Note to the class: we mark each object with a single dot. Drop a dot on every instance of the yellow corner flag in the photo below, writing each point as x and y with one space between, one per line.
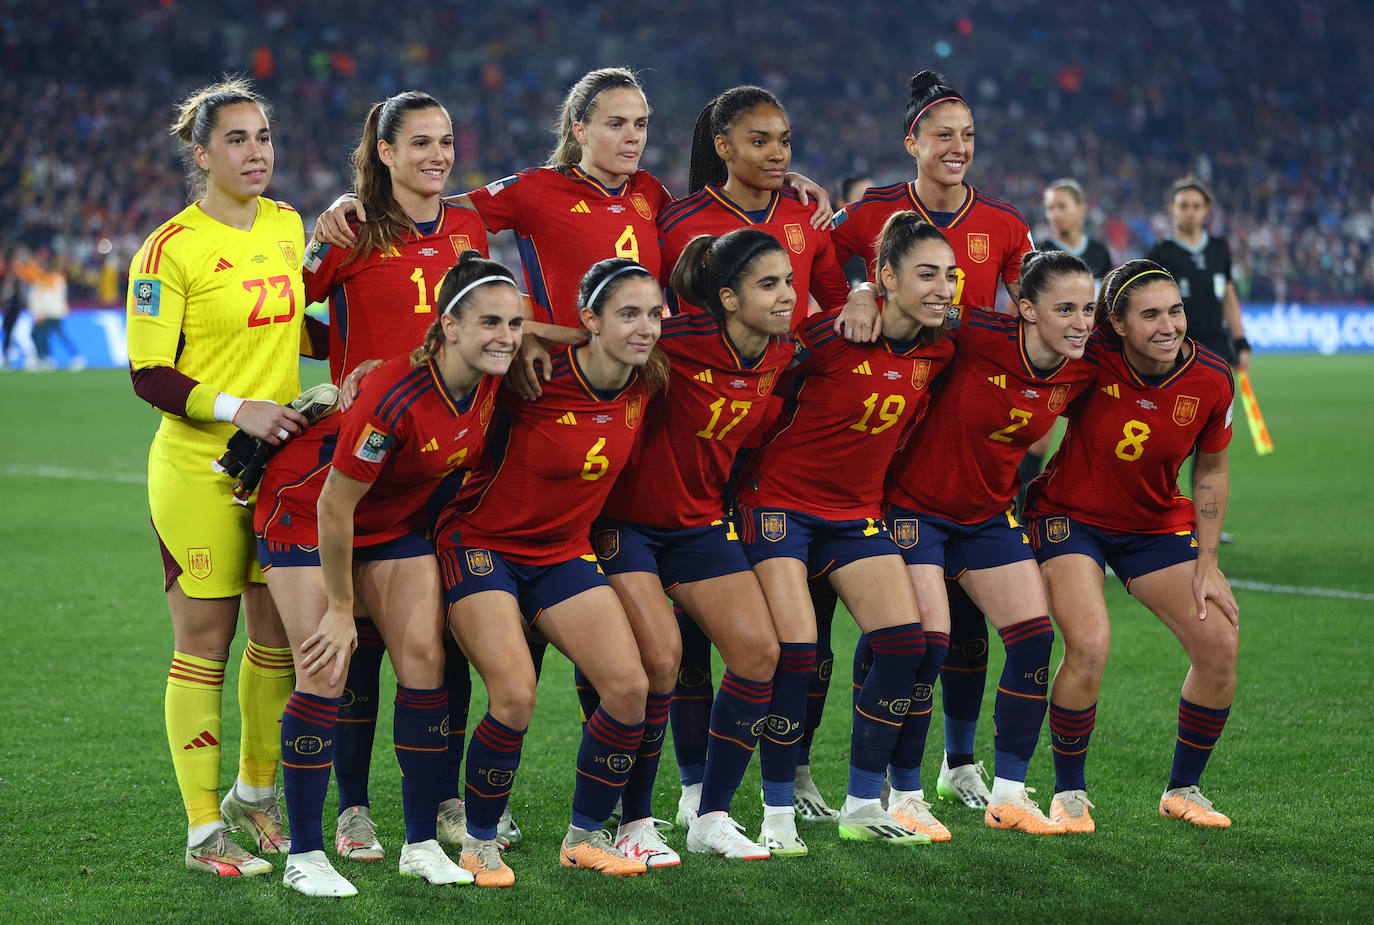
1258 432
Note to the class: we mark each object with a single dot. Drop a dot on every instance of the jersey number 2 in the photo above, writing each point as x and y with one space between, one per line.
1019 419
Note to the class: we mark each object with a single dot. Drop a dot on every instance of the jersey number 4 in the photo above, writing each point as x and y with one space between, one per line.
258 317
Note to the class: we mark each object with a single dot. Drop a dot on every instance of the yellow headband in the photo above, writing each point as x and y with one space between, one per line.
1133 279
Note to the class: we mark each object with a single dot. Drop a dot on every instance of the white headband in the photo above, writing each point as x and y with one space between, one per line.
591 301
473 285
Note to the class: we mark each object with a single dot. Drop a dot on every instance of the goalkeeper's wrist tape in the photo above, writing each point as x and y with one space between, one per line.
226 406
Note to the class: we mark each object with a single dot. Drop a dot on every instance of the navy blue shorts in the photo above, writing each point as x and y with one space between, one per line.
287 555
824 545
925 539
1129 554
676 556
535 588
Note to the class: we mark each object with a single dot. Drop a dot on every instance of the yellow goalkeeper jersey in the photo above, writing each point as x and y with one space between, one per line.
222 306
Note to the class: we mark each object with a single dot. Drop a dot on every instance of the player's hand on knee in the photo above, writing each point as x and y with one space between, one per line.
1210 584
270 422
331 644
332 225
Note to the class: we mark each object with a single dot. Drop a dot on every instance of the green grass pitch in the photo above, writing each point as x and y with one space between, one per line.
91 828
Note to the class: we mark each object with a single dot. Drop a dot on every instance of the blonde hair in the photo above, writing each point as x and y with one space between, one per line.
198 115
578 104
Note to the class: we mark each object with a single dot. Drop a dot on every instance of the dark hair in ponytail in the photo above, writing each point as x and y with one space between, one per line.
902 233
926 88
1120 283
599 285
387 223
709 264
471 266
716 118
1039 268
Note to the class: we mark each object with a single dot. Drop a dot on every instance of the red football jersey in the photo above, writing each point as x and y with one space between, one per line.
381 304
988 236
565 221
404 434
847 407
960 463
548 467
814 268
1117 467
714 401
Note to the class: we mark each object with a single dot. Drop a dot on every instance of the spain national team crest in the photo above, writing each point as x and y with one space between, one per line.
606 543
484 413
641 205
920 374
796 238
766 382
773 526
1058 397
460 242
1057 529
905 532
288 250
479 562
1185 409
198 562
633 410
979 247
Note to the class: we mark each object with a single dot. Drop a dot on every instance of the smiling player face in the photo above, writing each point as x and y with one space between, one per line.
920 287
762 306
757 149
630 321
943 145
422 156
613 135
1060 320
487 332
1152 326
238 161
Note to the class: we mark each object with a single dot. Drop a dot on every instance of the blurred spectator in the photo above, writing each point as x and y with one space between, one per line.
49 307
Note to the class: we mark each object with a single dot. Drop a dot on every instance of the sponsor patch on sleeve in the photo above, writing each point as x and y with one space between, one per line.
496 186
314 255
1230 413
147 296
373 445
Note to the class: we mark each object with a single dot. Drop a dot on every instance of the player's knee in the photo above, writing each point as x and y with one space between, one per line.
1217 662
625 695
661 665
1086 653
512 701
755 657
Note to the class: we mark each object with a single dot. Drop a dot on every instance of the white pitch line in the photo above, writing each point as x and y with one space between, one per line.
82 475
1299 589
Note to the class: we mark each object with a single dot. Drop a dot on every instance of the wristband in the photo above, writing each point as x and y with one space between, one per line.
226 406
865 286
1242 344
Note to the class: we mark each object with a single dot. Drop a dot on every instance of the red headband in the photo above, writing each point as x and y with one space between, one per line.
943 99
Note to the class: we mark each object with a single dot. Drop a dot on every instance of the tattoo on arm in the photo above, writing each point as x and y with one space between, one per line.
1210 510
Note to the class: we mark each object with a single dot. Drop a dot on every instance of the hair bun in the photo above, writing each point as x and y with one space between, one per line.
925 80
469 255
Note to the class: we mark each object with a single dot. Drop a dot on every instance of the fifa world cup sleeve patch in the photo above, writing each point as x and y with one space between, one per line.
147 296
373 445
314 256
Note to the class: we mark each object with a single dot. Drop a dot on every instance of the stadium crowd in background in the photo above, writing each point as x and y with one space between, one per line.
1278 137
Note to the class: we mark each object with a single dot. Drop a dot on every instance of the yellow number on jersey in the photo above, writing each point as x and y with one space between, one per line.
596 465
424 306
1132 445
959 289
872 528
739 408
456 460
1019 420
627 245
890 413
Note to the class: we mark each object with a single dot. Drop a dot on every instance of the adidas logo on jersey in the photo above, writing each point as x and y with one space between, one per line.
223 265
1113 390
568 418
1000 380
863 369
431 446
204 740
703 376
581 207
